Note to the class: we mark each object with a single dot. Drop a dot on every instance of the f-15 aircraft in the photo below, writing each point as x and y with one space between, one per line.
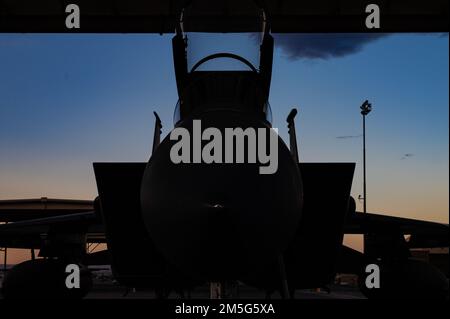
191 223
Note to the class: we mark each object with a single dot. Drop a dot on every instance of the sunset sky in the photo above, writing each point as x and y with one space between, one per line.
69 100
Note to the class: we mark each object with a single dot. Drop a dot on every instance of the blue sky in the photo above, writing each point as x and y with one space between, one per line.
69 100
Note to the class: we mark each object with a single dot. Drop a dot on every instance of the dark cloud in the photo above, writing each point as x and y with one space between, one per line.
324 46
343 137
407 155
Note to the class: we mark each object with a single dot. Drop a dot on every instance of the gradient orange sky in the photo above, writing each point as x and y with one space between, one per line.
68 101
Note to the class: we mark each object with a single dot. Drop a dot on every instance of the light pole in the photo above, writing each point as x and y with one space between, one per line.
366 107
5 256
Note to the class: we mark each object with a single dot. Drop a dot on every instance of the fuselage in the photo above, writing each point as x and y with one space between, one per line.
222 220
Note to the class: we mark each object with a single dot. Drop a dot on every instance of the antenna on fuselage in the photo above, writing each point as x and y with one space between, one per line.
157 132
292 135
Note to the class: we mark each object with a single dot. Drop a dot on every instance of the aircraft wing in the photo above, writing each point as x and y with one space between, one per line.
31 233
422 233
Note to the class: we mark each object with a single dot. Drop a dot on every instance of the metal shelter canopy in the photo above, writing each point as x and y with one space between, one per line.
161 16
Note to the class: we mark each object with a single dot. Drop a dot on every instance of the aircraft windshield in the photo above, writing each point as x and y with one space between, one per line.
201 45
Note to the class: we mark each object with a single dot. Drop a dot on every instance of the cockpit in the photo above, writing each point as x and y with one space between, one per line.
216 71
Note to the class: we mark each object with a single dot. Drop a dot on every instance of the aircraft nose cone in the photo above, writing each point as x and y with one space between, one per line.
220 221
217 207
